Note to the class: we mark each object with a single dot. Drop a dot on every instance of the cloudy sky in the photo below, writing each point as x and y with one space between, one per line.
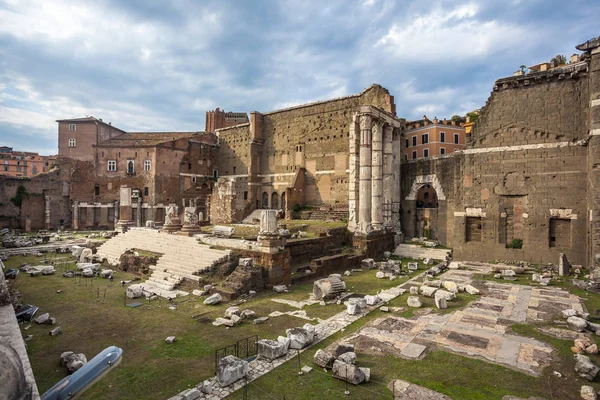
146 65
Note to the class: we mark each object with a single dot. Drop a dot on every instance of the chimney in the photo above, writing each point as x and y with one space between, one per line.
445 122
424 120
574 58
435 120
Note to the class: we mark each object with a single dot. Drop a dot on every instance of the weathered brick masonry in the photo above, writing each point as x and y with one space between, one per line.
528 172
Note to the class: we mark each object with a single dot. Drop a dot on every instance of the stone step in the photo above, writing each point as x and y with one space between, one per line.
419 252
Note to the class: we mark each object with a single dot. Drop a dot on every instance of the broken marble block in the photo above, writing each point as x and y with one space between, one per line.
232 311
348 358
585 368
367 263
328 287
280 288
348 372
135 291
413 266
213 300
472 289
170 340
450 286
323 359
414 301
372 300
299 337
428 291
342 348
577 324
42 319
72 361
440 300
414 290
508 272
272 349
449 296
231 369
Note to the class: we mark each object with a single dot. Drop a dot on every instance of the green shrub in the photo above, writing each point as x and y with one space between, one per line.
20 196
516 244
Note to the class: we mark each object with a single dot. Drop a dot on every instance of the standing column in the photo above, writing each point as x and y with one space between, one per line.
388 178
364 197
76 215
353 166
116 213
377 177
138 217
47 213
396 196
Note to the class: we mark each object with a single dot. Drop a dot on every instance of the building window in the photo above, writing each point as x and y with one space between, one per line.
112 165
147 165
443 137
560 232
145 190
414 140
425 152
414 155
130 167
406 143
245 195
72 127
72 142
456 138
406 157
194 179
425 138
189 166
97 190
215 173
234 168
442 151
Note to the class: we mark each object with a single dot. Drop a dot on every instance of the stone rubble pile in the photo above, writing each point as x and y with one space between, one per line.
328 288
342 361
234 316
72 361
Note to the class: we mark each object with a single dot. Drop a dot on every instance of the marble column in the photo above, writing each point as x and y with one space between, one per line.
116 213
47 212
364 197
377 176
396 196
76 215
388 178
353 166
138 219
125 209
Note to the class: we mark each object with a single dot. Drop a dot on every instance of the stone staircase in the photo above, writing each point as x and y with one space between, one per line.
419 252
181 258
324 215
253 218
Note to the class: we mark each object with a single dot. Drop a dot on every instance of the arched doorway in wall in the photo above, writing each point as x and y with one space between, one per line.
283 201
427 211
275 201
265 200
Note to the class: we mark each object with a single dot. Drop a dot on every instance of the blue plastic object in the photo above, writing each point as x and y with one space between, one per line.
77 383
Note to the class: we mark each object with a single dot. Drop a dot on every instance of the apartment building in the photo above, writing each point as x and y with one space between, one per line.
21 163
426 138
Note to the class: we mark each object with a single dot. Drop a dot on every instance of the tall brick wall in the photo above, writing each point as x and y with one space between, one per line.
523 175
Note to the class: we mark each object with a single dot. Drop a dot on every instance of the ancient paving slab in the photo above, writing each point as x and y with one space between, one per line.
296 304
323 330
403 390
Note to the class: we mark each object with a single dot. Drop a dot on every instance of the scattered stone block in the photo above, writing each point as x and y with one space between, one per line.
406 390
585 368
379 275
384 309
440 301
198 292
348 357
248 314
135 291
428 261
563 265
260 320
450 286
414 290
272 349
232 311
323 359
449 296
213 300
428 291
306 369
231 369
472 289
329 287
372 300
593 349
42 319
299 337
205 387
280 288
170 339
576 323
190 394
413 301
588 393
235 319
72 361
568 313
413 266
507 273
367 263
106 273
55 331
348 372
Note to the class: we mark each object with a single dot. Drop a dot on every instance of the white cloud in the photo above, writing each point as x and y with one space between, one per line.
449 36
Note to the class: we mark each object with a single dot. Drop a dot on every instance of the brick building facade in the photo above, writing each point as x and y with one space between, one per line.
22 163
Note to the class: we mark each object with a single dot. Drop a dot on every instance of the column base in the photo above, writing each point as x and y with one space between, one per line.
171 228
189 230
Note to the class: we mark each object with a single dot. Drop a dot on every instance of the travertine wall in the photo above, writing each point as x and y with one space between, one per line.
523 175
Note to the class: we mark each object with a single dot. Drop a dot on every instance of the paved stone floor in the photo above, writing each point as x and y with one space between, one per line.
480 330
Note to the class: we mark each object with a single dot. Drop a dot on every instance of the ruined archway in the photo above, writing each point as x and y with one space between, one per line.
426 215
421 208
274 201
265 200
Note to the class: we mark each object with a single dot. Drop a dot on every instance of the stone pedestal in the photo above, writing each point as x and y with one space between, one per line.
191 224
172 221
125 211
268 222
47 212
